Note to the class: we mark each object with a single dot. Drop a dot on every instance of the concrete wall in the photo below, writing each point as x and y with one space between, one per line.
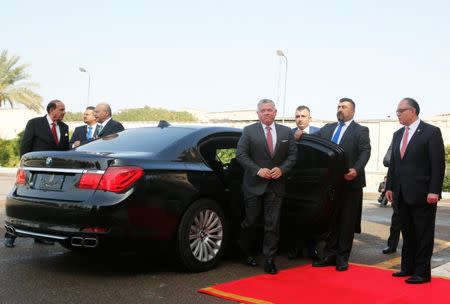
12 121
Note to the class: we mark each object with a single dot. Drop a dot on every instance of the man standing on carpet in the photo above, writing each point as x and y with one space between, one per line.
355 141
266 151
415 177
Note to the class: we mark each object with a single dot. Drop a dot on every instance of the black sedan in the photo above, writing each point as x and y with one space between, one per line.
175 184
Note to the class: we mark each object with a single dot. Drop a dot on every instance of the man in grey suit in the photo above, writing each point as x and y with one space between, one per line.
266 151
355 141
106 125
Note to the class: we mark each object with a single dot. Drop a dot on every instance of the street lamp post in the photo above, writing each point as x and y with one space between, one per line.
281 54
89 83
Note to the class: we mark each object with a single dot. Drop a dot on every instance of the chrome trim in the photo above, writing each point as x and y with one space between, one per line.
44 235
60 170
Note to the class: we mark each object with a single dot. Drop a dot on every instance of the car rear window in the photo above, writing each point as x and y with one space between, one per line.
139 139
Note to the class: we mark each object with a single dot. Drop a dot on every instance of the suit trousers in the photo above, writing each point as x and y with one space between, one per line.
394 233
340 241
417 225
270 204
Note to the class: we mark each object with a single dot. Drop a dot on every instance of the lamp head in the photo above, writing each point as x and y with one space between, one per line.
82 70
280 53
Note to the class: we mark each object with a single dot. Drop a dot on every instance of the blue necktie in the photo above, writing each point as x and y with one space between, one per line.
335 138
89 133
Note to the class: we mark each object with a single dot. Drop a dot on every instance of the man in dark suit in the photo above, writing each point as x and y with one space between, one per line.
355 141
106 125
415 176
302 120
267 152
394 231
83 134
45 133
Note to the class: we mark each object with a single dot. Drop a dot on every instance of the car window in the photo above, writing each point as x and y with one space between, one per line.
225 155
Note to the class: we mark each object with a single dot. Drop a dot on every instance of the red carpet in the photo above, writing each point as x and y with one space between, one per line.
360 284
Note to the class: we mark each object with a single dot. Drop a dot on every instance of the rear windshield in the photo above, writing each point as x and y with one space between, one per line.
139 139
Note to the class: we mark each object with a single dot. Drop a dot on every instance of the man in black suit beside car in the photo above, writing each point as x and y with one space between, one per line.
415 177
266 151
83 134
106 125
355 141
47 133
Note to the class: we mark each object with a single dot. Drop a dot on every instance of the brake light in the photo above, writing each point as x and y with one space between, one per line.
21 177
115 179
95 230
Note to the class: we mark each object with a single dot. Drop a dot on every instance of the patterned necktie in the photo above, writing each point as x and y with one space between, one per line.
269 140
89 133
335 138
55 135
404 142
99 129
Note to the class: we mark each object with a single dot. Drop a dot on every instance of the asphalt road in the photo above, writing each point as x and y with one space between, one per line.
35 273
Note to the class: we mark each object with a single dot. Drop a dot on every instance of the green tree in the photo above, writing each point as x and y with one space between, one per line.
12 88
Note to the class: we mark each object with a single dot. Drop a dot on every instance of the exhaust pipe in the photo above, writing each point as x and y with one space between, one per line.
77 241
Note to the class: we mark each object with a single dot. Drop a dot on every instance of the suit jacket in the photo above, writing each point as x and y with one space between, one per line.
356 145
253 154
312 129
38 136
421 171
111 127
80 134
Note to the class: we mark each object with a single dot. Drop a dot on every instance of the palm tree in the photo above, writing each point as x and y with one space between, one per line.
11 90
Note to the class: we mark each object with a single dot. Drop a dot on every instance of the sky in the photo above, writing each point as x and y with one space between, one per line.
221 55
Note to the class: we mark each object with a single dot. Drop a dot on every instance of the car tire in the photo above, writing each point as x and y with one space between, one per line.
201 236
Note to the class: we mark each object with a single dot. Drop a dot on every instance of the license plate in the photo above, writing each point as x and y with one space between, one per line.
50 181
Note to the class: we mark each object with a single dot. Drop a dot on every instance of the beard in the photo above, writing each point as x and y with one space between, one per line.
340 116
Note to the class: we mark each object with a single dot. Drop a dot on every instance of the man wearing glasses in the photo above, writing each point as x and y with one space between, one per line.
414 183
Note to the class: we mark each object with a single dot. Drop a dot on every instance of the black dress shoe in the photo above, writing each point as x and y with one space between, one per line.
269 267
342 266
324 262
250 261
388 250
44 242
8 242
418 280
400 274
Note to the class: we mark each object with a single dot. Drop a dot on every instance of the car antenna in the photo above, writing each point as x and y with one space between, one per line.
163 124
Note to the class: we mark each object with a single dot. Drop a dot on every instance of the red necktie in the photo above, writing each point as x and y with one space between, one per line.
55 135
404 142
269 140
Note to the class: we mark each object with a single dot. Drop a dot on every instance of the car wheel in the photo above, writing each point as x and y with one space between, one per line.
201 236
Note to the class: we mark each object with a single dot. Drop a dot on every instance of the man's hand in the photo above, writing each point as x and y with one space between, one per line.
264 173
351 175
432 198
276 173
76 144
390 196
298 134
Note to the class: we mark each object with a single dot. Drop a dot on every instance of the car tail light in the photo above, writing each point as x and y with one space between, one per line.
21 177
115 179
95 230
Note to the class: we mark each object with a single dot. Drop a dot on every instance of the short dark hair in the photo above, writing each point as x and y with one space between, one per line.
52 105
345 99
301 108
90 108
413 103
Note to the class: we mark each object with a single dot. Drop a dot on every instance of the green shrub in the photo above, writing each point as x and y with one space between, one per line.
446 185
9 154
